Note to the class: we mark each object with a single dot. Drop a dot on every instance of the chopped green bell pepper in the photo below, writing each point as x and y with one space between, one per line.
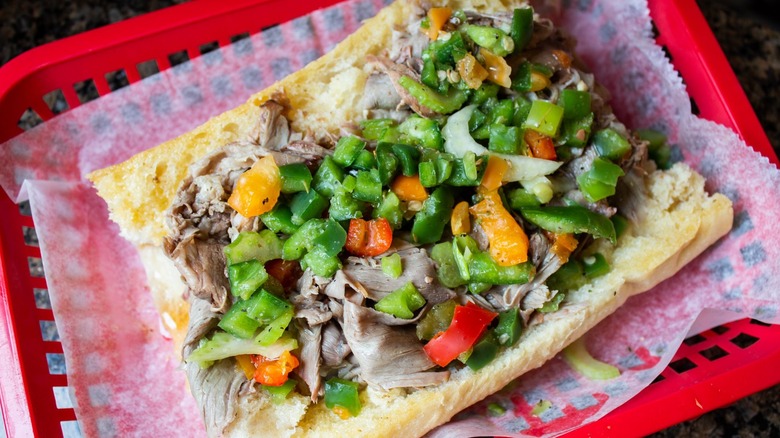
544 118
491 38
387 163
328 176
483 352
347 150
392 265
279 220
343 393
505 139
610 144
365 160
447 272
595 265
429 98
570 219
265 307
402 302
422 132
575 103
279 393
368 187
296 177
509 327
390 209
236 321
374 129
522 27
250 245
246 277
408 157
436 320
430 221
307 205
483 269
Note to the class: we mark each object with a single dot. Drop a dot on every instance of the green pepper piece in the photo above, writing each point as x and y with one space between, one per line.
299 242
321 263
392 265
296 177
570 219
250 245
387 163
390 209
483 93
575 104
246 277
422 132
279 220
483 269
544 118
445 53
576 132
520 198
428 75
279 393
443 169
491 38
505 139
463 248
522 107
402 302
599 182
365 160
427 172
610 144
328 176
554 303
595 265
447 272
307 205
478 288
368 187
462 174
570 276
509 327
483 352
332 239
374 129
275 329
238 323
430 221
343 206
522 27
347 150
265 307
408 157
436 320
343 393
427 97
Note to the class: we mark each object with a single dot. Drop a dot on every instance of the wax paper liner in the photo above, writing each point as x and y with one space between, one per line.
120 364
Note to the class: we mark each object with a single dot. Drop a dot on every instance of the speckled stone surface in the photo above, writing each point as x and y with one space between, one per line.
747 30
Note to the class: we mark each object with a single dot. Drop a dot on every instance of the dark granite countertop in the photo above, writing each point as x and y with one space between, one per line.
747 30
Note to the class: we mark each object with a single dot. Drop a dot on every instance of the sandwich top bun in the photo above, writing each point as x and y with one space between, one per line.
674 221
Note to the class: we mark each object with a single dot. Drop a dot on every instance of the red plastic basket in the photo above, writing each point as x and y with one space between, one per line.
709 371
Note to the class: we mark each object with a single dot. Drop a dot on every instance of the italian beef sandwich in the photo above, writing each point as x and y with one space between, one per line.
435 207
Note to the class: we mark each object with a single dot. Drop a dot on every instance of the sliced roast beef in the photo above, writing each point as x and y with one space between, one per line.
310 339
389 356
272 130
380 93
216 390
418 268
201 264
335 348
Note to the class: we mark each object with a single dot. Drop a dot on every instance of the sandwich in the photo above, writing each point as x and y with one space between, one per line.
437 206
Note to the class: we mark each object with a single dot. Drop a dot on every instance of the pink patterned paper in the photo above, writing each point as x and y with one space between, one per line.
120 365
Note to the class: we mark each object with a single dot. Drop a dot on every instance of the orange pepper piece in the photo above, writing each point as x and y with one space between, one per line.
498 70
245 363
438 18
494 173
257 189
507 239
409 188
471 71
460 221
563 245
541 145
273 372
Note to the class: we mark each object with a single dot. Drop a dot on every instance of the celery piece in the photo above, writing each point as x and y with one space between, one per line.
544 118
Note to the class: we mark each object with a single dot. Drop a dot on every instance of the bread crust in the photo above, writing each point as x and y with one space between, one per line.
678 220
